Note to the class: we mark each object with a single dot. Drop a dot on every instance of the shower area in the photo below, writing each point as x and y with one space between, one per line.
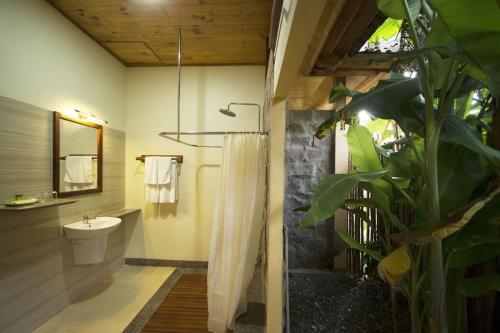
233 283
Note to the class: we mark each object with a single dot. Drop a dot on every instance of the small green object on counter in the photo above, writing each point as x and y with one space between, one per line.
21 202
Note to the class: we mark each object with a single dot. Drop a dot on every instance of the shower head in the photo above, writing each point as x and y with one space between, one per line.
228 113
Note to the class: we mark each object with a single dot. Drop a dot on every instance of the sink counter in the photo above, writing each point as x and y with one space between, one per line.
121 212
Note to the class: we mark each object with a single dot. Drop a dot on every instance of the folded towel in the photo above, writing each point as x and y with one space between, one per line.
164 169
151 170
151 193
78 170
168 192
160 176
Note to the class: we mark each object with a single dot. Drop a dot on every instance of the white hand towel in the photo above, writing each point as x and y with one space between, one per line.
79 170
151 170
168 192
151 193
164 169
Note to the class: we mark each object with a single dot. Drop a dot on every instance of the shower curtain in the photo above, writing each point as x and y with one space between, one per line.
237 225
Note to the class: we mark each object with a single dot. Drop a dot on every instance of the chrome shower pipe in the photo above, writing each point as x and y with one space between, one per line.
249 104
179 55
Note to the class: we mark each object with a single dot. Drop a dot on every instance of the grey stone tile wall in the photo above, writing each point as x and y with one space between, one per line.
307 161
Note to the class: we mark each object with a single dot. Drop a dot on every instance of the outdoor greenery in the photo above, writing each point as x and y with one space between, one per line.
386 37
444 167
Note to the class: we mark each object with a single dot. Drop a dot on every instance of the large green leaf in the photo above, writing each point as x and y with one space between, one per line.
443 71
459 172
359 213
384 203
474 287
455 223
439 35
399 163
365 157
356 245
474 255
456 130
328 124
340 91
387 30
331 193
483 228
380 126
360 202
404 163
362 149
396 10
475 27
386 98
384 101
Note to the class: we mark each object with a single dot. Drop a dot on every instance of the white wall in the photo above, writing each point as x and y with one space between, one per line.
47 61
182 231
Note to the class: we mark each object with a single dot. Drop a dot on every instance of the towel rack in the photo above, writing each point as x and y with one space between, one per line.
178 158
94 156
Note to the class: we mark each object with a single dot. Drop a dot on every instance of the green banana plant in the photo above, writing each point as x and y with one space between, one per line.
444 170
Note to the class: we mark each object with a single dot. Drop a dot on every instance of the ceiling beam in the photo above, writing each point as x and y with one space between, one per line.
346 72
297 26
328 18
362 64
311 93
341 26
369 82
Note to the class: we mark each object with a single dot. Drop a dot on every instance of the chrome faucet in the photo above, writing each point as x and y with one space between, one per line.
86 219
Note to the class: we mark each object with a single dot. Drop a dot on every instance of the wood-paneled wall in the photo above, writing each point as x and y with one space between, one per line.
37 274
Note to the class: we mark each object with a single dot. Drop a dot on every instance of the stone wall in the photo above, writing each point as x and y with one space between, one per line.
307 160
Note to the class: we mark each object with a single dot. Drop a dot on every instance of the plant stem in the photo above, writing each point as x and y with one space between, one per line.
394 303
414 314
438 308
433 129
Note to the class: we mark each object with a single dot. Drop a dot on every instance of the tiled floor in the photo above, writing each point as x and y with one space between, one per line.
111 305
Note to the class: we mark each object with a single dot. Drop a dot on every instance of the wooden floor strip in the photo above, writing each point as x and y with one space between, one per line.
184 309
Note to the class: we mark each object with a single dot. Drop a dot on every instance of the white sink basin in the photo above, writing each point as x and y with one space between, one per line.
90 239
96 228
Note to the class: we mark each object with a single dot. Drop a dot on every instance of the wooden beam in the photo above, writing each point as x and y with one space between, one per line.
364 64
275 22
296 30
357 28
341 26
369 82
311 93
345 73
326 22
366 61
355 20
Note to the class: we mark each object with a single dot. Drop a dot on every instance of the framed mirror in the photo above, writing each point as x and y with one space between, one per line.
77 165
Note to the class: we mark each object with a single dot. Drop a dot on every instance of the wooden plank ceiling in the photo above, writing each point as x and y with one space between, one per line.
144 32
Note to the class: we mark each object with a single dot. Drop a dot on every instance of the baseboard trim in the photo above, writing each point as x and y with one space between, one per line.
166 263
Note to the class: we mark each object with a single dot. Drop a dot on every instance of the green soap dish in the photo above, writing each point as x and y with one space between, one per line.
21 202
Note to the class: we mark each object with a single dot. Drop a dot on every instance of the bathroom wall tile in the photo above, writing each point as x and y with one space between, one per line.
37 274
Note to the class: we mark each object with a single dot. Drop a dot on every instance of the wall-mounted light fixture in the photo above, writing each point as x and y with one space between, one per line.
84 116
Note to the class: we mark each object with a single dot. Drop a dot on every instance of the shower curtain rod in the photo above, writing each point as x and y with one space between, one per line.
213 133
166 135
178 133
